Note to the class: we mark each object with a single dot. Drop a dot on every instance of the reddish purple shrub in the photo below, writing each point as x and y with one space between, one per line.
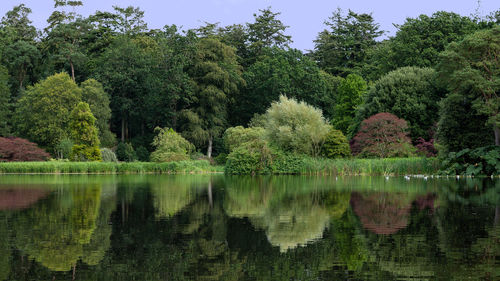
17 149
382 135
426 147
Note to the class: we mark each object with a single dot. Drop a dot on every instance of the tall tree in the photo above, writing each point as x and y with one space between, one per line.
84 134
418 42
5 110
350 95
19 52
129 20
125 69
218 78
42 113
267 31
18 21
471 68
341 49
93 93
65 33
283 72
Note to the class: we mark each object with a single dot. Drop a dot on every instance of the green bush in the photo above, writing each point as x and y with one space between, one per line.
252 157
170 146
472 162
125 152
81 152
142 154
236 136
108 155
64 148
335 145
220 159
296 126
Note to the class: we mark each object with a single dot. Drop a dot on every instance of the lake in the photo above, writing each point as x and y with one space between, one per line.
216 227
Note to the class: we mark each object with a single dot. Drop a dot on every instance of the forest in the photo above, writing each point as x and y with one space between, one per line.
107 88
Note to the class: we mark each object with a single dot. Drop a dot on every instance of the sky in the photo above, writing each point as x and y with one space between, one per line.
304 18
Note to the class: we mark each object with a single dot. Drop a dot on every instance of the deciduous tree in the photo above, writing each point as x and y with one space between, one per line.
382 135
218 77
42 113
471 69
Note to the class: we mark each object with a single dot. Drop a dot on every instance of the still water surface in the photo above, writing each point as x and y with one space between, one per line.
202 227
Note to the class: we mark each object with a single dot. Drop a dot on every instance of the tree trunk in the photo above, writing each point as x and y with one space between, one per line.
209 149
72 71
74 271
123 129
497 135
126 131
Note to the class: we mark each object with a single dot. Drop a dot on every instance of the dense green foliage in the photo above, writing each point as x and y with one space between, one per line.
125 152
418 42
342 49
93 93
459 127
218 78
335 145
170 146
64 148
284 72
350 95
295 126
473 162
42 113
471 69
4 103
409 93
439 69
83 133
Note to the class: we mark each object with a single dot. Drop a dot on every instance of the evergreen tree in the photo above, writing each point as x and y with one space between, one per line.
84 134
342 49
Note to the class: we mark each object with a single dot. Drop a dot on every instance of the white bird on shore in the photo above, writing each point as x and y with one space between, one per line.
458 177
386 178
425 178
407 178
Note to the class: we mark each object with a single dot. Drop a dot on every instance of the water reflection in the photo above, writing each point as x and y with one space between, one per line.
248 228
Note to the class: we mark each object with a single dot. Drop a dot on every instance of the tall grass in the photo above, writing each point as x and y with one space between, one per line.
195 166
388 166
299 165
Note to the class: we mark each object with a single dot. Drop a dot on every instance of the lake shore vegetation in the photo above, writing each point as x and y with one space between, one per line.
104 93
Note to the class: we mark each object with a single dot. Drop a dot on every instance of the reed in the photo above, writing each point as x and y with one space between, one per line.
59 167
387 166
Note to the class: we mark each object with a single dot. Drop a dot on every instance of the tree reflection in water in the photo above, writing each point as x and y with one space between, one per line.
255 228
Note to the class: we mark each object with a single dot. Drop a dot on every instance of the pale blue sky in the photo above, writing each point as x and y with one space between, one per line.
305 18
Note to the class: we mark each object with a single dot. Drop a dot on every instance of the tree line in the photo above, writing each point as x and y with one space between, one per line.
439 73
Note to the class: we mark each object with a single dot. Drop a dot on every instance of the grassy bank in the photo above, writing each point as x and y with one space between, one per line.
55 167
304 165
298 165
389 166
